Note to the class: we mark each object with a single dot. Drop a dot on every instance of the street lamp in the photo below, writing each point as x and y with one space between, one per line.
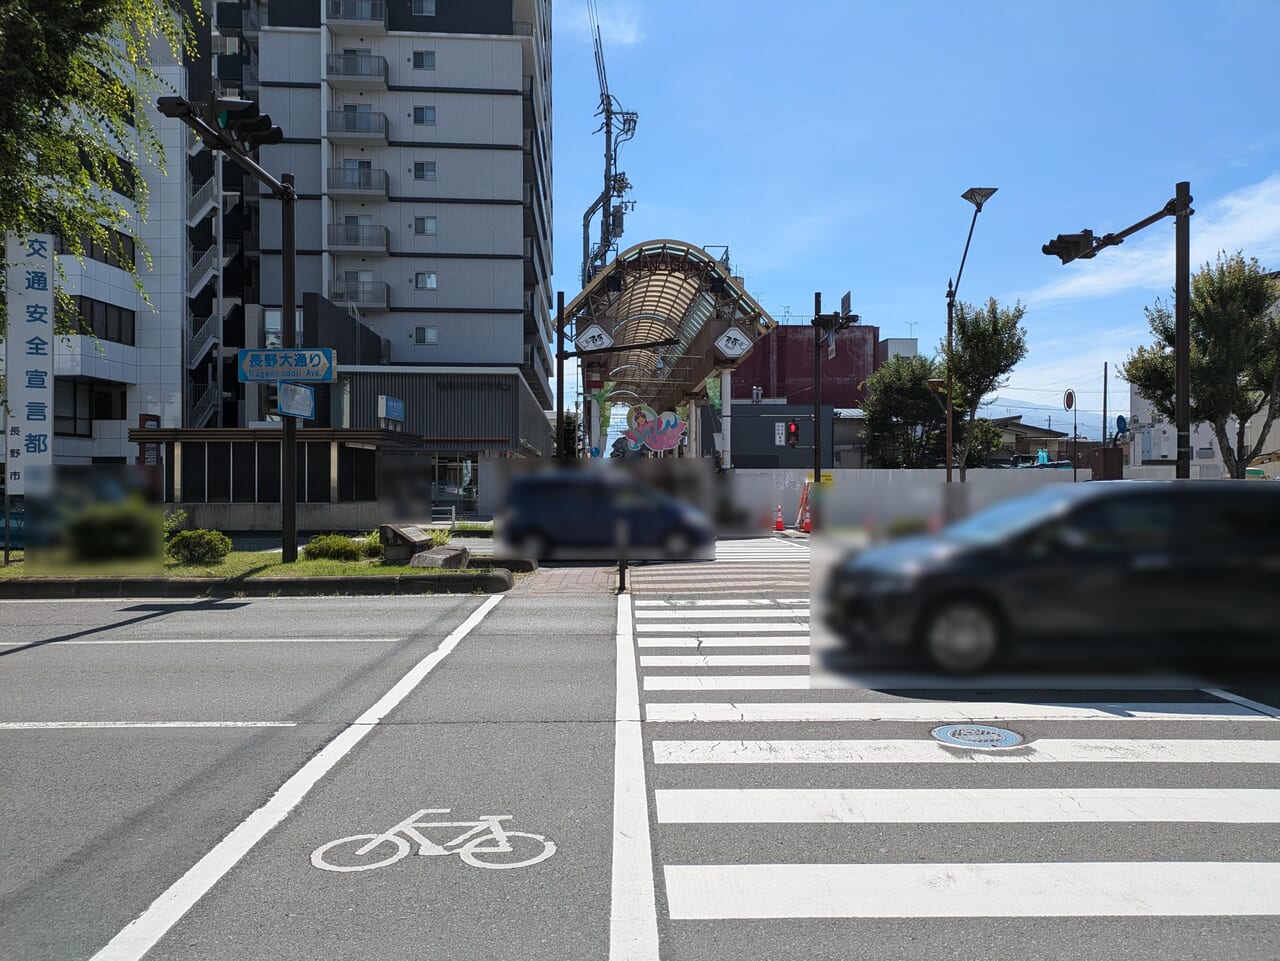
976 196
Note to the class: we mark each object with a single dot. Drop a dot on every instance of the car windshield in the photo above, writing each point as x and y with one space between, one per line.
1009 518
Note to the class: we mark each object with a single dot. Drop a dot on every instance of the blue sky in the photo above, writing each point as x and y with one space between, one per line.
827 144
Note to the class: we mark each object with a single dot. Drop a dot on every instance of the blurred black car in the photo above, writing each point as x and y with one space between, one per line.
580 515
1165 568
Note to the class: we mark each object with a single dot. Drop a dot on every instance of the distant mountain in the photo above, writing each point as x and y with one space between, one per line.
1038 414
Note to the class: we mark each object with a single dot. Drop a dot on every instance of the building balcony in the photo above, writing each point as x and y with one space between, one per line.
359 239
362 127
364 17
356 71
370 294
346 183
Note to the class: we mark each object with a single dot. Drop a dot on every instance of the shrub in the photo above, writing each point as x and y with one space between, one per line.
119 531
199 547
332 547
439 538
174 521
372 546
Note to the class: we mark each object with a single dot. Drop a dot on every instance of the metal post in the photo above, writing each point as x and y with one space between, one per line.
1075 435
559 444
726 419
951 306
817 387
288 327
1182 327
25 531
1104 404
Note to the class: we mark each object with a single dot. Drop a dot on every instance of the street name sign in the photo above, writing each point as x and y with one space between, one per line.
733 343
593 338
315 365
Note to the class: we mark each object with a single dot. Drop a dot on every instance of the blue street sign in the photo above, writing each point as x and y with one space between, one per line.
296 400
315 365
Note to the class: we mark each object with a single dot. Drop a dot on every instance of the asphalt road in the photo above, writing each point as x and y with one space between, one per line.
714 784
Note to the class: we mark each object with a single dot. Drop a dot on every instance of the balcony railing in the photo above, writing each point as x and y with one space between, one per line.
370 237
362 293
357 69
204 329
363 14
359 124
356 181
200 198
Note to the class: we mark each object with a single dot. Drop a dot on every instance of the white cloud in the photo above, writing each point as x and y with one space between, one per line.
1247 220
619 23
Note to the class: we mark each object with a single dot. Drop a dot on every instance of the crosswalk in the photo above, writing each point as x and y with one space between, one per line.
777 800
751 566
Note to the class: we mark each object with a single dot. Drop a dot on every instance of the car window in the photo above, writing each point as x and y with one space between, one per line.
1123 525
1231 517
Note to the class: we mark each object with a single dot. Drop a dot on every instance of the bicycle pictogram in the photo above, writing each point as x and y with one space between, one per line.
485 844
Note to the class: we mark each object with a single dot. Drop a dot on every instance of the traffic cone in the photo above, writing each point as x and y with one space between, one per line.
806 519
777 522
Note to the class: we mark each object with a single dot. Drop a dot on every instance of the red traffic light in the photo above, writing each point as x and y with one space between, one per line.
793 433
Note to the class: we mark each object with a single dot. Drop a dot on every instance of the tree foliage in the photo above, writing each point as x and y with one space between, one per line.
75 74
988 343
988 438
906 420
1234 355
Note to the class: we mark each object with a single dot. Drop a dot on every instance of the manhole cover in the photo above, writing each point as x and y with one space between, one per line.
976 735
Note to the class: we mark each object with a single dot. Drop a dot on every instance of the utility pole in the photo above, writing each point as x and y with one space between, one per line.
817 387
1104 405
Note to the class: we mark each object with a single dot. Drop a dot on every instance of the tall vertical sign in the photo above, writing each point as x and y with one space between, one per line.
29 365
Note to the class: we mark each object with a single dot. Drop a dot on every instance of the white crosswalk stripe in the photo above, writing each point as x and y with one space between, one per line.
794 761
746 568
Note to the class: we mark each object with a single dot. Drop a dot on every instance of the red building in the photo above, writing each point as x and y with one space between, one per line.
781 365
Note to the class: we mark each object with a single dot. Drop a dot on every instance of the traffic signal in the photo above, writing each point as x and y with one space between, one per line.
242 126
793 433
1069 247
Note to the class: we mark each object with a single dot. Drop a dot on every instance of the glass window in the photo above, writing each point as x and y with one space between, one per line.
425 115
424 60
425 226
425 280
426 336
424 170
424 8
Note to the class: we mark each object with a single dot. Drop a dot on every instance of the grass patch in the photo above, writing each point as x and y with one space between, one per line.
462 526
238 564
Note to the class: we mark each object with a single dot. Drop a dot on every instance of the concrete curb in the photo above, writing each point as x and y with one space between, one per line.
517 565
53 588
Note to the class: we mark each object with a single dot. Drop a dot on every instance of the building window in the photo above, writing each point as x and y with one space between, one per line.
424 60
424 8
105 321
424 226
118 252
77 404
426 336
425 280
424 170
425 115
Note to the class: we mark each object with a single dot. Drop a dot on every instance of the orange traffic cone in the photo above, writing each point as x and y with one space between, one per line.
806 519
777 521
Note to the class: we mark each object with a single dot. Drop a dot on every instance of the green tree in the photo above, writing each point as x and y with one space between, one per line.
1234 354
74 75
987 440
988 343
906 419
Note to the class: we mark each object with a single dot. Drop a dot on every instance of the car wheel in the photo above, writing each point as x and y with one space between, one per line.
676 544
961 636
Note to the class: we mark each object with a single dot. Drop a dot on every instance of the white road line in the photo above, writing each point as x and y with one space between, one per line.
969 806
711 602
758 612
1258 706
1021 682
946 711
215 640
633 911
141 935
74 725
793 640
1043 751
727 682
726 628
725 660
1009 890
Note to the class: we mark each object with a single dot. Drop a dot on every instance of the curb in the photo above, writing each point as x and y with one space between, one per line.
516 565
494 581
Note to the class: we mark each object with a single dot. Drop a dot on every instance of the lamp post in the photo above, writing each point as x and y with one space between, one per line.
976 196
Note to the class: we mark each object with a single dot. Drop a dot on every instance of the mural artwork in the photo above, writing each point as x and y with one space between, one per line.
657 432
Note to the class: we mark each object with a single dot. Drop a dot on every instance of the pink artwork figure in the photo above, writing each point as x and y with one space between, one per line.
658 432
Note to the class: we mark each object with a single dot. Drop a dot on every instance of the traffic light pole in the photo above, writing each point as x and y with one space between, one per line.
288 339
817 387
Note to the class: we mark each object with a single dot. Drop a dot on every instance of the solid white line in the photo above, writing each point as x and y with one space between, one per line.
945 711
75 725
1008 890
218 640
758 612
682 605
1023 682
726 628
633 911
725 660
1258 706
1044 751
968 806
140 935
794 640
727 682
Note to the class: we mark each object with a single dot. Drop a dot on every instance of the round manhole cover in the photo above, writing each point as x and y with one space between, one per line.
976 735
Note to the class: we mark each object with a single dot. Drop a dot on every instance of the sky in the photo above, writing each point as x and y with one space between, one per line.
827 143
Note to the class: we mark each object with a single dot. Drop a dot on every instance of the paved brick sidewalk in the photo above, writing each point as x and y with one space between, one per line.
557 579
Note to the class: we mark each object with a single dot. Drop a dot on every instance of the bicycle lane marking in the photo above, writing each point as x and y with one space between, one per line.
140 935
633 911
